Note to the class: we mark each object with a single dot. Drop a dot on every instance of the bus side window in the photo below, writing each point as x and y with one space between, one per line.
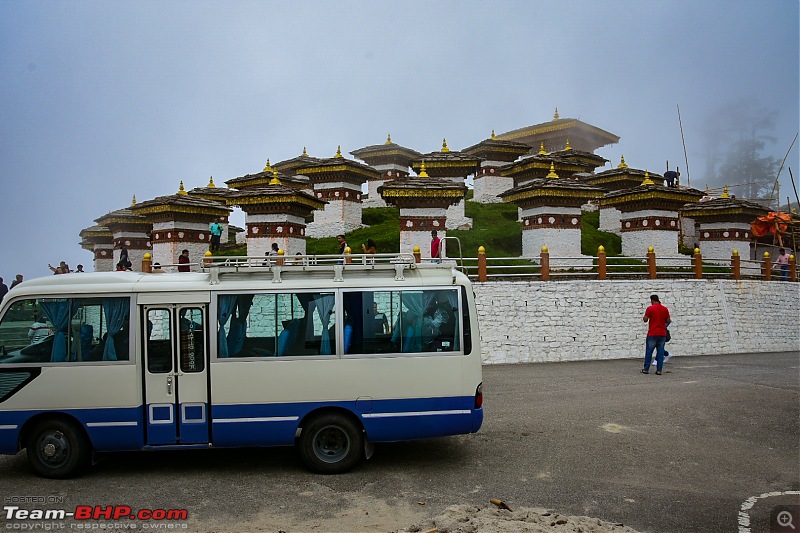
159 343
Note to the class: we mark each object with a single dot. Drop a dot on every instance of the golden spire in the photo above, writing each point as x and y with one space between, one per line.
422 173
444 146
555 117
568 146
622 163
494 138
133 202
304 152
708 191
725 193
542 151
388 139
267 167
647 180
338 152
211 183
181 190
552 173
274 180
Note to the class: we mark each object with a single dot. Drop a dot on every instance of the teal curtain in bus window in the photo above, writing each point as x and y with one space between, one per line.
117 311
225 306
452 299
324 306
57 311
238 330
412 322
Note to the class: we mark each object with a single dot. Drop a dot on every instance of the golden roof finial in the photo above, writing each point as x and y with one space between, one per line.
555 117
388 139
708 191
211 183
542 151
133 202
422 173
444 146
304 152
552 173
622 163
267 167
568 146
181 190
494 138
725 193
274 180
647 180
338 152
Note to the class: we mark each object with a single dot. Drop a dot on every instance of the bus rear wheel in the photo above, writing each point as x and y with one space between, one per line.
331 444
58 449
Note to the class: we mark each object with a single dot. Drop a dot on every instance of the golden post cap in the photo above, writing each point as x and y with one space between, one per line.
147 257
650 249
766 255
208 253
601 248
697 250
544 249
735 252
481 250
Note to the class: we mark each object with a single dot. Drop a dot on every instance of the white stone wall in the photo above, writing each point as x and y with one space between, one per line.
328 224
541 321
104 258
636 243
688 234
610 220
135 255
721 251
257 246
559 241
410 239
374 199
456 218
488 186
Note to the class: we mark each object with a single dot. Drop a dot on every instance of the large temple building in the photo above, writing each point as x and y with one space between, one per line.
549 170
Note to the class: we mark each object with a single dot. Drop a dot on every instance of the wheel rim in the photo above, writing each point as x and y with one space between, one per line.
53 448
331 444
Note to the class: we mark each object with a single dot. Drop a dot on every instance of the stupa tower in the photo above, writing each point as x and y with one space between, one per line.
494 154
275 213
100 241
338 182
393 162
130 231
180 222
555 134
423 201
455 166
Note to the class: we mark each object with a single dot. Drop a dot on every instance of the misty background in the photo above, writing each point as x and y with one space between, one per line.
100 101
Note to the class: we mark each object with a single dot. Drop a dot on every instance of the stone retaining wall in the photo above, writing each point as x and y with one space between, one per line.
544 321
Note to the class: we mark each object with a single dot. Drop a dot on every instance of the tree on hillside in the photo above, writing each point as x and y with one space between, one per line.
736 135
746 167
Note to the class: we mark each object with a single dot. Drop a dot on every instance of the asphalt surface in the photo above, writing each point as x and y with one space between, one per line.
673 453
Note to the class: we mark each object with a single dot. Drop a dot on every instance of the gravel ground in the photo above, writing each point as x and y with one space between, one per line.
491 519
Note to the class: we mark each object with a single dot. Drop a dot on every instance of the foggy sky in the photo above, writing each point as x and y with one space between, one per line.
103 100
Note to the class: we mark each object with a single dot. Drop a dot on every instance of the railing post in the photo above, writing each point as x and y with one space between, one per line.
601 262
766 268
736 265
481 263
651 263
545 262
207 258
147 263
792 268
698 264
417 255
280 259
347 258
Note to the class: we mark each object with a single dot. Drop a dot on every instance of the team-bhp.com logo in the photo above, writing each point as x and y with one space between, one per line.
94 512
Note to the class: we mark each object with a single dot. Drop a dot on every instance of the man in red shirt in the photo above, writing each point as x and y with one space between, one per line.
436 250
658 318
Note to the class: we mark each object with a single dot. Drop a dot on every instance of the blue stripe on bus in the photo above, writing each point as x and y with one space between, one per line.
109 429
388 420
119 429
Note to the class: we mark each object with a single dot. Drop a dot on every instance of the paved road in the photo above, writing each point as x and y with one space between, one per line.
673 453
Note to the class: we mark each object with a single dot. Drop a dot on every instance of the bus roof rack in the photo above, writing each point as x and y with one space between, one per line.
218 266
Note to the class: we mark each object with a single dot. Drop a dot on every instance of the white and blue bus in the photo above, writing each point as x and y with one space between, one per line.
330 355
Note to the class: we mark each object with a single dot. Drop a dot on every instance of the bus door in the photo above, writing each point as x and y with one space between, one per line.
176 373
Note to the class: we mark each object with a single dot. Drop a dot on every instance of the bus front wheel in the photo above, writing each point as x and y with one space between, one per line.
331 444
58 449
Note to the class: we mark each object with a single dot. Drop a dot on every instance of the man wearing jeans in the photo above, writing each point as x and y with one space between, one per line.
657 317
